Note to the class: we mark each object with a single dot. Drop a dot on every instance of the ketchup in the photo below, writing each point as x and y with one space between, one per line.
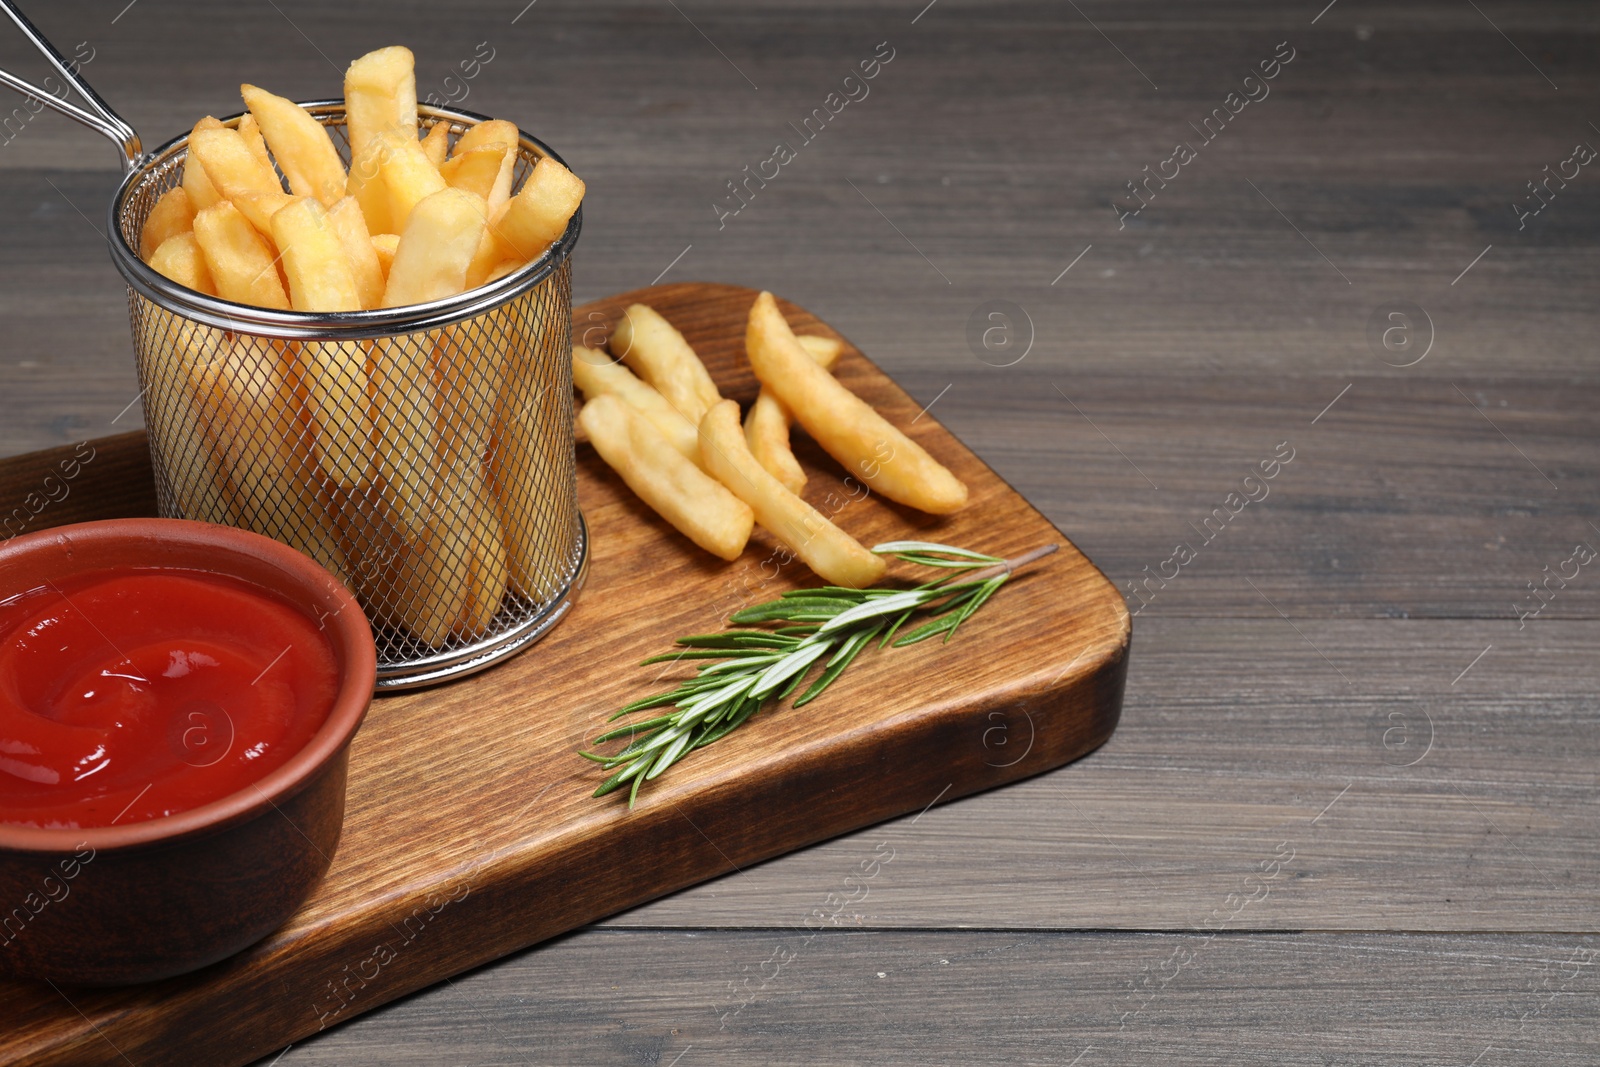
137 693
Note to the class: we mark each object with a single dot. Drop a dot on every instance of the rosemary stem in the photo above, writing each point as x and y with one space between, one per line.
1015 563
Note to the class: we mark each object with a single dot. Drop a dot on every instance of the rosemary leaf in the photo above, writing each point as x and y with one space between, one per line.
753 666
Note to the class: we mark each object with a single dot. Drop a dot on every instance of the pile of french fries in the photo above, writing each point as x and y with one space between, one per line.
657 419
402 470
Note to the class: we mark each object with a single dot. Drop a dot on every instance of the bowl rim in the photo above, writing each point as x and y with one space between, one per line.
350 702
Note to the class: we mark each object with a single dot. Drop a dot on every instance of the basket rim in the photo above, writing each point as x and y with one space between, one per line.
351 325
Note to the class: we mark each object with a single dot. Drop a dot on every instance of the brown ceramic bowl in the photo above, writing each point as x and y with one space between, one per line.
153 899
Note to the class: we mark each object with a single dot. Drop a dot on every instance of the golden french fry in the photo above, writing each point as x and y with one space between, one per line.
272 488
436 144
597 373
321 279
201 192
488 134
407 176
844 424
242 264
384 246
259 208
430 582
430 261
501 269
838 558
680 492
404 413
468 372
320 275
528 450
185 438
238 175
533 219
172 214
380 96
766 426
231 165
438 243
475 171
365 184
657 351
179 258
825 350
350 226
766 434
250 130
470 505
300 143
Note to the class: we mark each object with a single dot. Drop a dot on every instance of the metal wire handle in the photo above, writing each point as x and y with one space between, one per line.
102 118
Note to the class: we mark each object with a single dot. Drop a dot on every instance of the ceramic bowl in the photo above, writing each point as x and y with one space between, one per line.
149 900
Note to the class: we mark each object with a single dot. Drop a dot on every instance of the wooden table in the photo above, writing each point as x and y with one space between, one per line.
1349 815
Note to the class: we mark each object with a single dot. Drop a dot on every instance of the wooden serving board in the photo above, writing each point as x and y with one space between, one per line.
471 831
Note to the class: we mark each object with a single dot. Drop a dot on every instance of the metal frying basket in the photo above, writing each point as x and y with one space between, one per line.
423 454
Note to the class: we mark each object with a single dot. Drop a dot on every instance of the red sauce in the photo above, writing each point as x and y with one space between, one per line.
133 694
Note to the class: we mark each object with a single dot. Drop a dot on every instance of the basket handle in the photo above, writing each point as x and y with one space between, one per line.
99 117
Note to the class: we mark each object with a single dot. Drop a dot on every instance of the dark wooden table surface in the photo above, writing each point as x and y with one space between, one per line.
1349 816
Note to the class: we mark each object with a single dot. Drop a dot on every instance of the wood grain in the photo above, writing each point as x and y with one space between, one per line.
1323 1000
469 815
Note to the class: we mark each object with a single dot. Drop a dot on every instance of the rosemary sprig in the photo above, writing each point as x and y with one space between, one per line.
753 666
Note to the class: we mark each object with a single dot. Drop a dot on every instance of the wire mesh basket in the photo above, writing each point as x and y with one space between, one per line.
423 454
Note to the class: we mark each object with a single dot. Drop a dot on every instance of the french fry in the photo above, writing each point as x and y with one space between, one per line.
494 132
680 492
766 434
172 214
236 174
490 569
538 215
436 144
380 99
179 258
300 143
380 96
272 488
467 372
430 262
242 264
476 171
259 208
384 246
528 449
658 353
320 275
438 243
250 130
838 558
766 425
364 182
501 269
184 437
403 407
407 176
350 226
846 426
430 588
321 279
598 373
201 192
